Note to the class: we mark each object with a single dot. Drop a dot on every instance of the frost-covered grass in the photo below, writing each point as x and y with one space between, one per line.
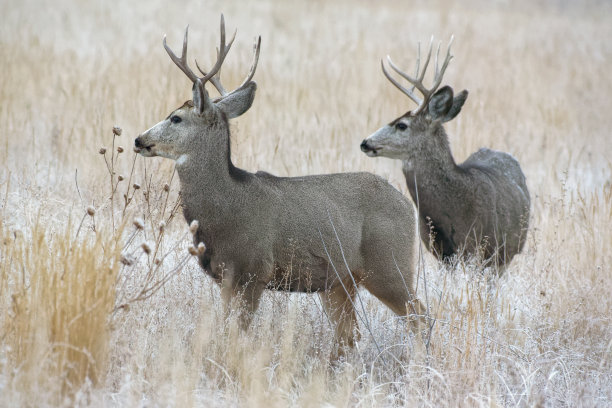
71 329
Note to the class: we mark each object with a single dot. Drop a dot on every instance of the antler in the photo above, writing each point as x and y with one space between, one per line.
417 81
214 74
216 79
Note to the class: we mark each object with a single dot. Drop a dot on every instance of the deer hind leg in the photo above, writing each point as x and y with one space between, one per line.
394 289
338 304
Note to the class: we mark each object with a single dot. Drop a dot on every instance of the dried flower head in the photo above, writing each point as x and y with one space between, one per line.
162 226
91 211
126 259
119 149
146 248
201 248
102 150
120 178
136 186
139 223
117 130
166 187
193 227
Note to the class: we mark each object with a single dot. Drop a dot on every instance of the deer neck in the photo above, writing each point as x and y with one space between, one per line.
211 186
432 174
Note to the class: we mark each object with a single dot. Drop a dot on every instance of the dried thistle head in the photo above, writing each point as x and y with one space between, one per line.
139 223
166 187
193 227
117 130
91 211
120 178
119 149
201 248
136 186
126 259
102 150
146 248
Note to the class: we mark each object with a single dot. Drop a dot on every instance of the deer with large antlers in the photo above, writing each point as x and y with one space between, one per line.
324 233
480 206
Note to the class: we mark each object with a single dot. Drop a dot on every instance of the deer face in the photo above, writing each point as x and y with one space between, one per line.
190 124
413 134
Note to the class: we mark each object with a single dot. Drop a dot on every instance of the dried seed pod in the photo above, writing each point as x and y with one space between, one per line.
119 149
120 178
126 259
166 187
146 248
117 130
102 150
162 226
193 227
136 186
139 223
91 211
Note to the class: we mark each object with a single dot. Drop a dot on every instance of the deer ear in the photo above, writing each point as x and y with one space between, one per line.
239 101
458 102
441 102
201 101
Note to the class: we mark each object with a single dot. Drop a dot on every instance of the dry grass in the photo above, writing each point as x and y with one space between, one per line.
538 76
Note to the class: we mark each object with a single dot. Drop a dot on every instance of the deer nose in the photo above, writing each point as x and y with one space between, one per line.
364 146
138 142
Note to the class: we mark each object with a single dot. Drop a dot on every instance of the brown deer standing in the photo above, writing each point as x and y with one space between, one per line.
480 206
324 233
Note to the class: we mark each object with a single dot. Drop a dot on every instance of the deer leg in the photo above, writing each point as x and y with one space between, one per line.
338 304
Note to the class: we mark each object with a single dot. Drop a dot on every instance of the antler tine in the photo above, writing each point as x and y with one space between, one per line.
223 51
414 81
182 61
408 92
256 49
420 79
447 59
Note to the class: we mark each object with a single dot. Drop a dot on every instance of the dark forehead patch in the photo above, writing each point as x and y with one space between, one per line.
188 104
405 115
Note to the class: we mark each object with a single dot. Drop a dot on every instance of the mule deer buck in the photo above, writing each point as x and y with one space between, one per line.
322 233
480 206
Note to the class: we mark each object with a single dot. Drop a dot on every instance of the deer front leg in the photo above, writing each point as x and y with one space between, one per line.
243 290
338 304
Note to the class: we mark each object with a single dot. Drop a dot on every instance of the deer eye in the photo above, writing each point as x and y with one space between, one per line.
175 119
401 126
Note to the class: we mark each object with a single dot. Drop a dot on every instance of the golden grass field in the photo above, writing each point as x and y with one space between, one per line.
80 328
